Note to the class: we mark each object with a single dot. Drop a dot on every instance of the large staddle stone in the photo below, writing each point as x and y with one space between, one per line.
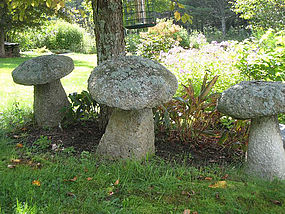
45 72
132 85
261 102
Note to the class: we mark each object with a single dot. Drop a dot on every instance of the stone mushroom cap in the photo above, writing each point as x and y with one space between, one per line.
43 69
252 99
132 82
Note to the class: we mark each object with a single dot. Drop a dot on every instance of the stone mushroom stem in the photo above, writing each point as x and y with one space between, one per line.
129 134
266 155
49 101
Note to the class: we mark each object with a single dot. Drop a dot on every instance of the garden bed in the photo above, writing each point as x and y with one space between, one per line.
85 136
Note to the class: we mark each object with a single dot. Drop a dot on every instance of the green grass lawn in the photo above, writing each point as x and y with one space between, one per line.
11 92
64 183
35 179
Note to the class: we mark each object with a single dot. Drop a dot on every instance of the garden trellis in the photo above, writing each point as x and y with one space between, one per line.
139 14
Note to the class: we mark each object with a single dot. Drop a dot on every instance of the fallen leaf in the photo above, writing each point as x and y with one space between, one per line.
36 183
225 176
187 211
19 145
15 160
11 166
89 179
70 194
219 184
24 129
276 202
208 178
30 163
85 170
73 179
117 182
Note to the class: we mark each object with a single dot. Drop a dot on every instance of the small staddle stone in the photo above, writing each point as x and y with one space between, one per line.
133 86
261 102
45 72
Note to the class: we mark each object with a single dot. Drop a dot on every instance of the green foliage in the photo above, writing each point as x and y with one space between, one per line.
215 58
55 35
15 118
197 40
192 114
161 38
262 14
42 143
132 42
263 58
82 106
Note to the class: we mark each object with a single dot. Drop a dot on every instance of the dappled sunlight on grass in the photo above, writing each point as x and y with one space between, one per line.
11 92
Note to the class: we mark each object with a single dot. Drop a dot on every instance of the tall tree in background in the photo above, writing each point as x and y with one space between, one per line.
214 13
17 14
262 14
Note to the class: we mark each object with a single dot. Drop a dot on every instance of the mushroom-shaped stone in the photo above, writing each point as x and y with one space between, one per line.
45 72
133 86
261 102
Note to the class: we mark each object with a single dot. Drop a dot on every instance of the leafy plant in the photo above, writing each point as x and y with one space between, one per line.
42 143
161 38
82 106
191 115
264 58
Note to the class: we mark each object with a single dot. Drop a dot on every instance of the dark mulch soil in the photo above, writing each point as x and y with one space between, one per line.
85 136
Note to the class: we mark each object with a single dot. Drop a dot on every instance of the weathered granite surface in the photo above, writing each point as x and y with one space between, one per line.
129 134
252 99
49 101
43 69
132 82
266 155
282 131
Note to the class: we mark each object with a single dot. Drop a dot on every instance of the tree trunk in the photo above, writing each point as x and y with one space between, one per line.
109 31
2 38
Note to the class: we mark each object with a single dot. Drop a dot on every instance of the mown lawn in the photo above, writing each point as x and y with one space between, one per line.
38 179
65 183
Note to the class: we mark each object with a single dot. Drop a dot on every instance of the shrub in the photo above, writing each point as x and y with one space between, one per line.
216 58
161 38
197 40
56 35
263 58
